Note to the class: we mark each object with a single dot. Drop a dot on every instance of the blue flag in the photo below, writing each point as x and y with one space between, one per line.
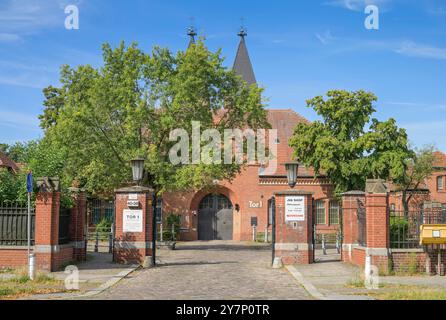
29 182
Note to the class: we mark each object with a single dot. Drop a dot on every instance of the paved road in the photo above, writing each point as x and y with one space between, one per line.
210 270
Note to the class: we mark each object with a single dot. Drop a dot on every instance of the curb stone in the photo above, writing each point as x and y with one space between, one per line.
315 293
90 293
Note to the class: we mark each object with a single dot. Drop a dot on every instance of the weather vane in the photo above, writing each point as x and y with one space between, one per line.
243 32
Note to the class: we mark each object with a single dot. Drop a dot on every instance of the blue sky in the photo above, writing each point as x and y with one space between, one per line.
299 49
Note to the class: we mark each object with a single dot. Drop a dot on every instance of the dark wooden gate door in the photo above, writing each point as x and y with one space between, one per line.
215 218
224 224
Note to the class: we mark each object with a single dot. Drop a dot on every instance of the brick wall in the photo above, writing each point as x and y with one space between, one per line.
49 255
13 257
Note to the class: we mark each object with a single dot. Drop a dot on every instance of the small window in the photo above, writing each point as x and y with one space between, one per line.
320 212
440 185
277 141
392 207
334 212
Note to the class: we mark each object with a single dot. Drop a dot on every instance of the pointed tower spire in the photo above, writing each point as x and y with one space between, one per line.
192 32
242 64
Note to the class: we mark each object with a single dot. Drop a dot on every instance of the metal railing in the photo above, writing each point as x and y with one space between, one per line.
405 226
64 226
362 226
14 224
100 240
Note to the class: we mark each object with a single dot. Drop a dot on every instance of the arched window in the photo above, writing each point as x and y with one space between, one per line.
215 201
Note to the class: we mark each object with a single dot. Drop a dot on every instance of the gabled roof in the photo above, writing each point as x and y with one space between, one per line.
242 64
5 162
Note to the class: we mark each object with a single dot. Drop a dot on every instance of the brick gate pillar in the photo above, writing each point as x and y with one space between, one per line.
378 220
46 246
78 224
294 227
133 225
350 203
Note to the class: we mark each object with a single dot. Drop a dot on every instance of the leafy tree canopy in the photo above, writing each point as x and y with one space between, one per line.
419 168
100 118
348 145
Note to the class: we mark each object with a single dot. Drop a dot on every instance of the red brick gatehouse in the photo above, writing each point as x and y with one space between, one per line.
227 211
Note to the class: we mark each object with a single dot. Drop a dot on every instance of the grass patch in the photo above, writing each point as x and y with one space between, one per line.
356 283
6 270
21 285
405 292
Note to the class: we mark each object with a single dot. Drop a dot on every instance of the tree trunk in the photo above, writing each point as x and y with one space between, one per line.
405 203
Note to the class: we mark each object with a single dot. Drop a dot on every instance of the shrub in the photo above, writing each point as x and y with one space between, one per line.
172 220
103 229
399 227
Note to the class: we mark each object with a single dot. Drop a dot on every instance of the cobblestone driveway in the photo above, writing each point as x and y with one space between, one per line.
209 270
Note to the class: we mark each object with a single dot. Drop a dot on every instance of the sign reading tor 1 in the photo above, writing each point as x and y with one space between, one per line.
294 208
132 220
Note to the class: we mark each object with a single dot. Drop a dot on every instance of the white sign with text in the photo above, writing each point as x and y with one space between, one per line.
132 221
294 208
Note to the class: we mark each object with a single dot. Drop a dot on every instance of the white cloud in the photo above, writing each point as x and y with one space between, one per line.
9 37
325 38
412 49
357 5
24 17
18 120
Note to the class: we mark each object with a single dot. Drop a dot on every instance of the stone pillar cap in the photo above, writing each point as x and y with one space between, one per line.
375 186
134 189
353 193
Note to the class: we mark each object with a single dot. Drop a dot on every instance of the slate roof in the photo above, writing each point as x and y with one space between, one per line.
242 64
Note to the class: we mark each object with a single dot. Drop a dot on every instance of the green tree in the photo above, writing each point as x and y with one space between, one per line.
348 145
419 168
12 188
130 105
54 101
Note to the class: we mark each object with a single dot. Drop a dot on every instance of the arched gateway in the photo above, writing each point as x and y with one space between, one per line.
215 218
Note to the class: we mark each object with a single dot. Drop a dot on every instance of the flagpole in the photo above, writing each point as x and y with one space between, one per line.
29 228
29 187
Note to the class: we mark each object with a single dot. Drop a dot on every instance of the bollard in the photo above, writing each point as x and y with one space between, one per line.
324 249
173 232
368 267
96 244
32 266
161 232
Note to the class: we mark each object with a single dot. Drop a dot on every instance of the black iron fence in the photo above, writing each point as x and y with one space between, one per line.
405 226
362 226
14 224
64 226
100 210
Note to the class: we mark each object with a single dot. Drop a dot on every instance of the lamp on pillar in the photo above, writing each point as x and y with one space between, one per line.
291 172
137 169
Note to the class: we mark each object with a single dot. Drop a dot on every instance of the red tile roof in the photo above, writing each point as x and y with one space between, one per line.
5 162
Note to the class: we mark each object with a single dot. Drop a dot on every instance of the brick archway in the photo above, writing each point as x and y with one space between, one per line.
221 190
